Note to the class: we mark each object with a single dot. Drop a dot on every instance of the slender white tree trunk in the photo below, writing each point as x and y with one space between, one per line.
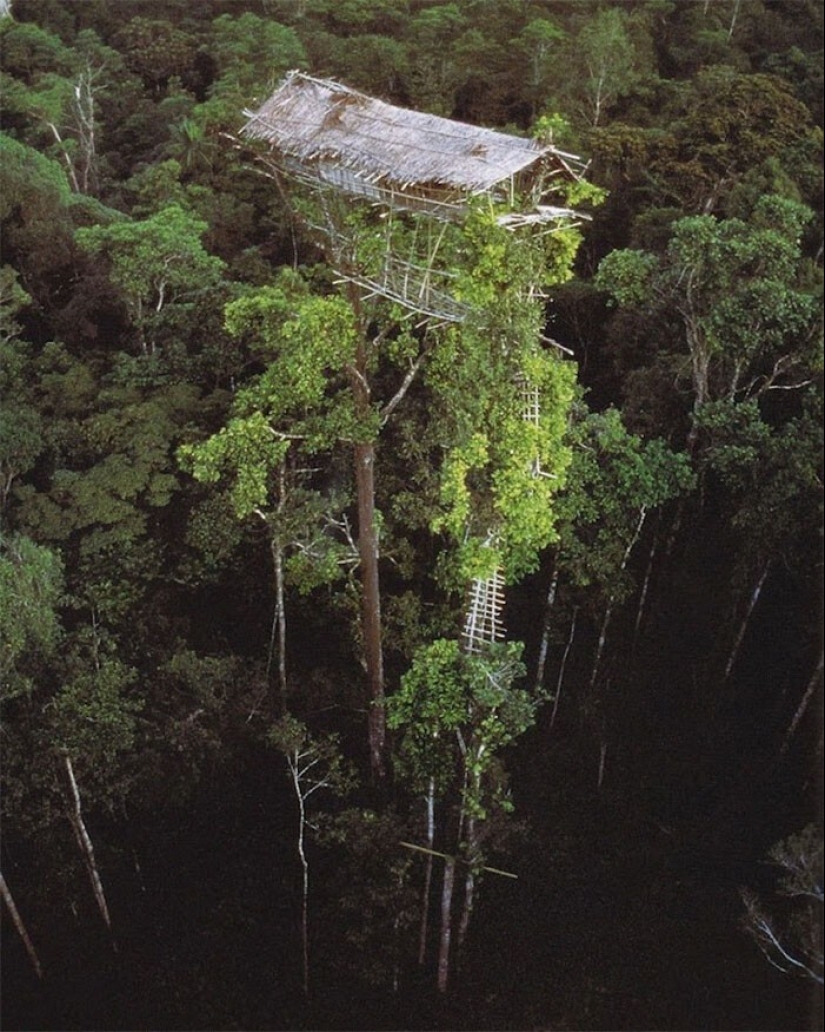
609 610
20 926
736 6
816 677
645 588
85 843
428 873
545 632
740 635
446 925
304 879
560 680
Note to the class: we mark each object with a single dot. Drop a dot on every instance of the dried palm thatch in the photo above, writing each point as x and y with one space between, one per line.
331 135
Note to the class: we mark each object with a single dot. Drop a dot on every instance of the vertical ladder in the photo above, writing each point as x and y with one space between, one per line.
530 410
484 624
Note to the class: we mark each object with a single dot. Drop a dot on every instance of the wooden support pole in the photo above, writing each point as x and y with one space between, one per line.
454 859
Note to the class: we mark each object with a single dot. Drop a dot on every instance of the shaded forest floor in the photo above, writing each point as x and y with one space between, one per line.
614 923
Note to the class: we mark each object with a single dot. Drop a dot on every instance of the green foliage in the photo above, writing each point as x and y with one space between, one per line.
93 715
253 54
315 761
750 322
29 51
609 62
702 122
771 476
628 277
21 431
248 449
373 897
297 406
503 467
31 589
34 187
155 49
452 704
157 261
614 476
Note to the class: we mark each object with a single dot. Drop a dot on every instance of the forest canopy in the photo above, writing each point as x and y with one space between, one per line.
410 599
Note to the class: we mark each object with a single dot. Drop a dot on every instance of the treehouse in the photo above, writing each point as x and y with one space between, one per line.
333 137
345 145
418 173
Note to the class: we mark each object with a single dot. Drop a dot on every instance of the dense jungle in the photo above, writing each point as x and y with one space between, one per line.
256 773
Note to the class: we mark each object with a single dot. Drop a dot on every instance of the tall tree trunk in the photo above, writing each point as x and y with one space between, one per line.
428 873
466 907
446 925
471 847
562 666
802 707
736 5
740 635
276 546
602 761
645 587
371 601
609 610
278 633
368 546
85 843
20 926
544 645
304 884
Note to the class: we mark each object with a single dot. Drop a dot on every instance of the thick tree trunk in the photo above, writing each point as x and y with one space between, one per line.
371 601
85 843
743 627
20 926
368 545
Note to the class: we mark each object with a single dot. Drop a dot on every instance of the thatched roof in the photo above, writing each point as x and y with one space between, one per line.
323 124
